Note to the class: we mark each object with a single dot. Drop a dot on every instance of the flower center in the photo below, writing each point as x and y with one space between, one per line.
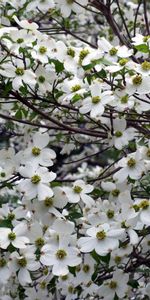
70 289
41 79
118 133
83 54
43 285
146 38
144 204
2 262
3 174
45 271
136 207
39 242
19 41
115 193
61 254
96 99
113 284
70 1
123 61
148 152
71 52
11 236
42 50
117 259
101 235
110 214
86 268
22 262
124 99
113 51
19 71
11 216
77 189
48 202
137 80
145 65
131 163
35 179
36 151
75 88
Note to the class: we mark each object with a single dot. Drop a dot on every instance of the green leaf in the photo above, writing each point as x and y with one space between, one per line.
59 67
105 258
133 283
56 183
97 192
18 114
95 256
74 215
7 88
5 223
72 270
142 48
76 98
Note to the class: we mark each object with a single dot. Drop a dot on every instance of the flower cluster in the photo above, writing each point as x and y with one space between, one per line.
74 150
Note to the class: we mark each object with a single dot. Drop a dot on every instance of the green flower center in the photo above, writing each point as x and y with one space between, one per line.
118 133
145 65
70 289
117 259
61 254
131 163
41 79
83 54
71 52
48 202
36 151
124 99
75 88
11 216
113 284
144 204
123 224
35 179
11 236
148 152
2 262
19 71
110 213
115 192
19 41
146 38
96 99
136 207
86 268
137 80
45 271
39 242
70 1
3 174
77 189
113 51
101 235
43 285
64 277
22 262
42 50
123 61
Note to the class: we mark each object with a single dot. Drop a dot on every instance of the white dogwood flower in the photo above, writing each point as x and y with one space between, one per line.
36 183
60 257
16 236
102 238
